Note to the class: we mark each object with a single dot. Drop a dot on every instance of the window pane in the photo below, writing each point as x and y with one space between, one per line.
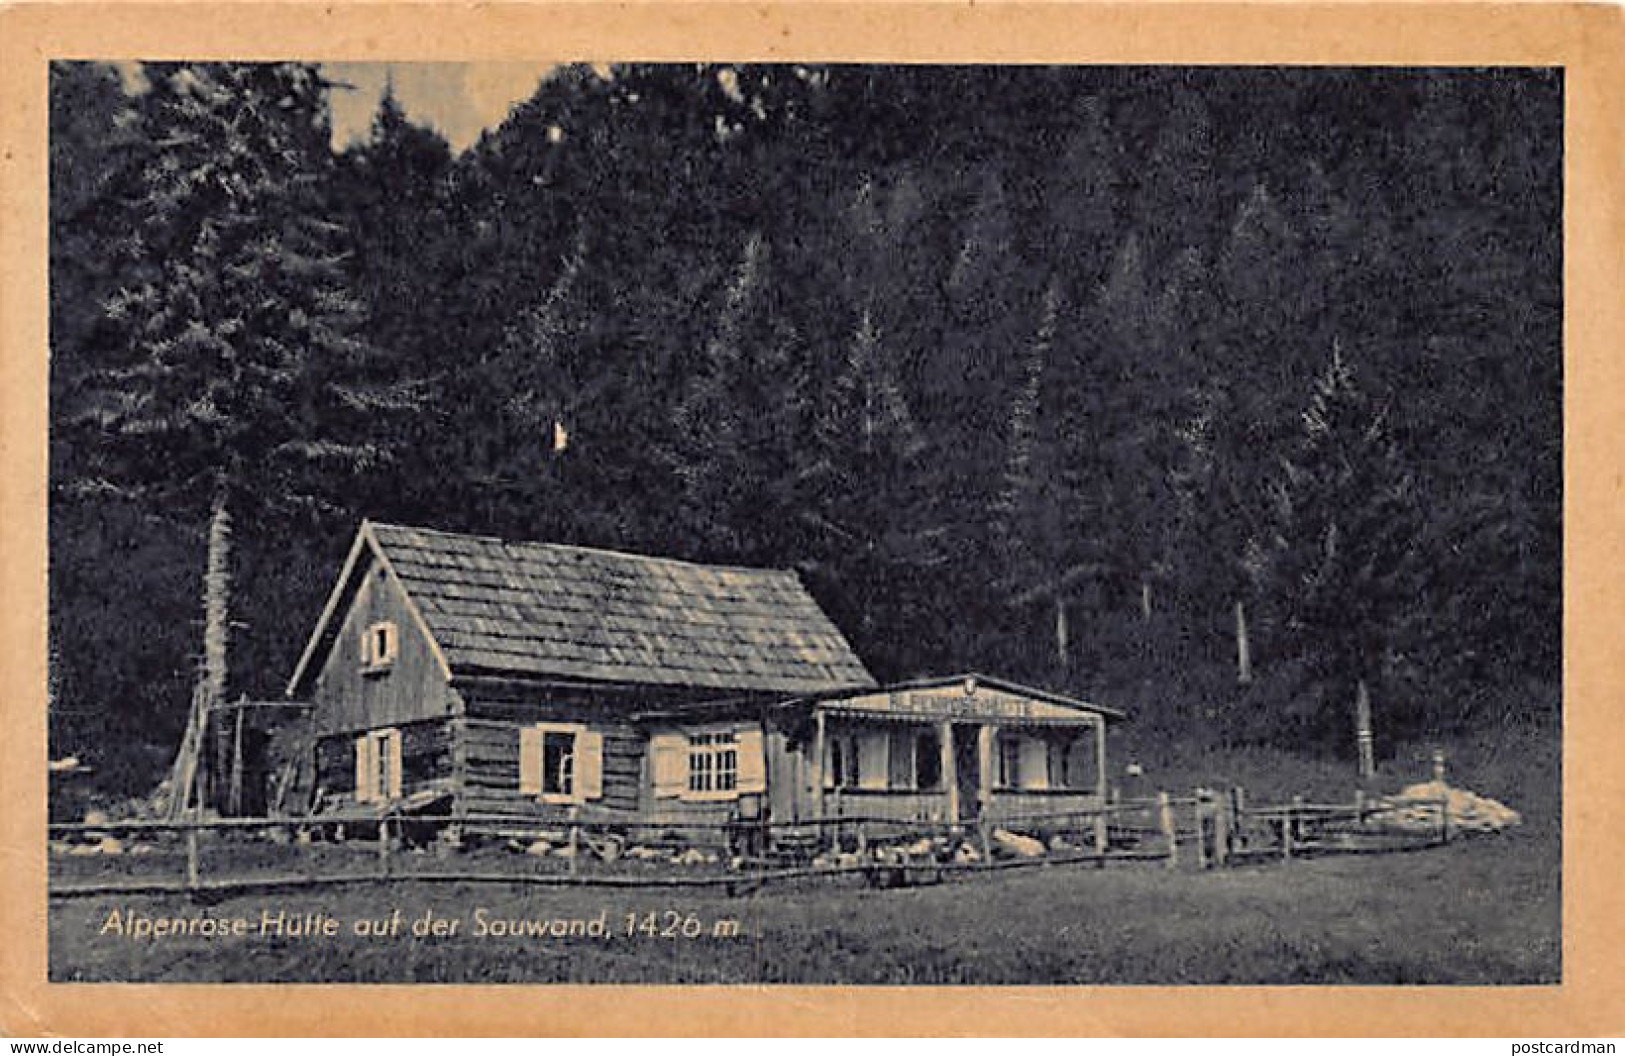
927 760
558 761
1009 761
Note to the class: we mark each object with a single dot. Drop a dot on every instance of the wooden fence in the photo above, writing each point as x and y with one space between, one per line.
218 857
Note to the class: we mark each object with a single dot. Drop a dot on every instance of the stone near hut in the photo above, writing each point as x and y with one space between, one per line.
1017 844
695 856
1416 809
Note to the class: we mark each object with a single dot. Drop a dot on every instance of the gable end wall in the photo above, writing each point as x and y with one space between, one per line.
412 689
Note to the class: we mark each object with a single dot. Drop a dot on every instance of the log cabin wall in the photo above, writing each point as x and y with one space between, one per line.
427 752
490 778
489 736
352 694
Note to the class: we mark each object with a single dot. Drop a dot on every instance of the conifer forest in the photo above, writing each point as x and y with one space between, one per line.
1220 395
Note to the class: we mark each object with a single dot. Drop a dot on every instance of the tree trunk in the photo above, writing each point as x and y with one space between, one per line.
1061 650
1244 651
1362 731
216 741
1145 600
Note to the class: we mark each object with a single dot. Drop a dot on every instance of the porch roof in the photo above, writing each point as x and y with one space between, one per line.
832 699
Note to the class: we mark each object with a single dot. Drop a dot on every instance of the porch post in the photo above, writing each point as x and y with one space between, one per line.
950 775
984 766
819 753
1100 783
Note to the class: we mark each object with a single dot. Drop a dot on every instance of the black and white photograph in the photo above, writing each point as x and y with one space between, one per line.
826 523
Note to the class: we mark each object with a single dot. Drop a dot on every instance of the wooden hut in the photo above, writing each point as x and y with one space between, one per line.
508 675
538 681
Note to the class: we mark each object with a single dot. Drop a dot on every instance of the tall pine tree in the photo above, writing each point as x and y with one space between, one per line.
1340 558
242 370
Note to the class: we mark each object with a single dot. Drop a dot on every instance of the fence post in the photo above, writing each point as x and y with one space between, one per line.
192 866
1221 831
1238 817
1287 817
1165 818
1201 812
575 843
1297 821
1359 807
982 831
1444 816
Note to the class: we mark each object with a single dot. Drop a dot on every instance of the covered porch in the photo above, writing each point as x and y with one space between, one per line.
965 750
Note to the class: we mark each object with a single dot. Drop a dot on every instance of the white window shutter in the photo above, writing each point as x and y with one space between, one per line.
530 760
1034 763
394 764
752 775
874 759
589 765
363 768
668 764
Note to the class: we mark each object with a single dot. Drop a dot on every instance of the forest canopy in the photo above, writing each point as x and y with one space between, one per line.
1206 393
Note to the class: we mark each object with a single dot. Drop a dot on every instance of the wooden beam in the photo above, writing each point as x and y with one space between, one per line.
820 753
984 764
247 705
1100 783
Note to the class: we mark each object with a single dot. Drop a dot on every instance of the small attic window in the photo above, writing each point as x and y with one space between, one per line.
380 644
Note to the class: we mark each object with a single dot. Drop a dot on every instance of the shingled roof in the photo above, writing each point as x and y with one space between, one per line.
542 610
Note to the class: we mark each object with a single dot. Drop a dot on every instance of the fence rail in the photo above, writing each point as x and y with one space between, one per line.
215 857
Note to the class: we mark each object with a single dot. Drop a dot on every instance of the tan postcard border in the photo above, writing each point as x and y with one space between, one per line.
1585 39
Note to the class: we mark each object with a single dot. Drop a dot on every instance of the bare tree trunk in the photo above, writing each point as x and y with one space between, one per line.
1362 731
1061 641
1145 600
216 631
1244 650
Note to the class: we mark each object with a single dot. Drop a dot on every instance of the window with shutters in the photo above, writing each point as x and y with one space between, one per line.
560 763
378 766
380 644
713 762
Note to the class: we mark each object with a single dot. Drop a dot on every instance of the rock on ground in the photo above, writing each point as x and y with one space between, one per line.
1416 809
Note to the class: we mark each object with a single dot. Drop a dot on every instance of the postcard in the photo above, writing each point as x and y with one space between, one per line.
1038 519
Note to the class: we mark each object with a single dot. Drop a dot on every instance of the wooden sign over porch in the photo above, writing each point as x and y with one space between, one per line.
983 704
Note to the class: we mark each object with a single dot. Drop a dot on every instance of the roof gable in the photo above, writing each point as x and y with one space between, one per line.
543 610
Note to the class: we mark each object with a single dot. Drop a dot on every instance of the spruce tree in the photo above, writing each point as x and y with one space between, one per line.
866 502
242 382
1341 554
